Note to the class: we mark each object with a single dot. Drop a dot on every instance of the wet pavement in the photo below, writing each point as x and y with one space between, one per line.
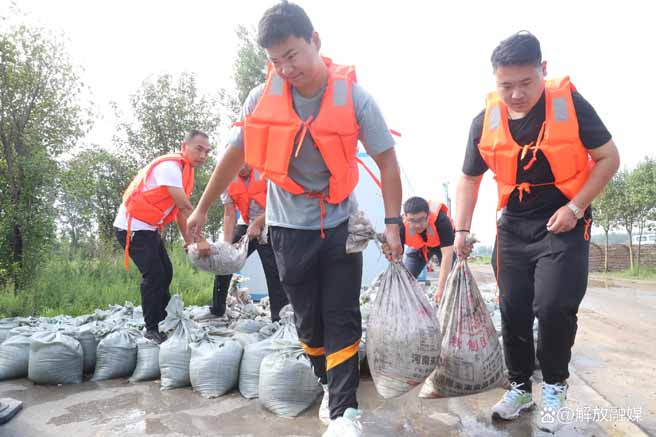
612 368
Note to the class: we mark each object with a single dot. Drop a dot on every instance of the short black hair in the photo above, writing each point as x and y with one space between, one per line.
522 48
415 205
193 134
282 21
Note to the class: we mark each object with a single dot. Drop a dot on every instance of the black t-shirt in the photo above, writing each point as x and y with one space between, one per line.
444 230
543 201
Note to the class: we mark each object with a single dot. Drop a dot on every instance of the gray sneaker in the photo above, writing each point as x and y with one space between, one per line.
513 402
554 397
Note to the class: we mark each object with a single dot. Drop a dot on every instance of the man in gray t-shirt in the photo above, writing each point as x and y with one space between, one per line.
310 194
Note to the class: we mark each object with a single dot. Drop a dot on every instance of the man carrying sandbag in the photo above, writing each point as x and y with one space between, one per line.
247 194
157 195
301 130
428 232
551 155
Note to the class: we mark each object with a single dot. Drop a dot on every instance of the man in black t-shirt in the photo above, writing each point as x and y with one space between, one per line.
428 232
551 155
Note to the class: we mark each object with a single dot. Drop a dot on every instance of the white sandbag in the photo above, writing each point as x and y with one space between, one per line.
403 337
116 356
249 372
14 357
55 358
224 259
5 328
175 353
360 231
214 366
471 358
147 367
246 339
288 385
249 326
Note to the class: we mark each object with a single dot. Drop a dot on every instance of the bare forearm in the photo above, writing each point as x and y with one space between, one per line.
181 220
602 172
390 178
229 221
224 172
445 266
466 197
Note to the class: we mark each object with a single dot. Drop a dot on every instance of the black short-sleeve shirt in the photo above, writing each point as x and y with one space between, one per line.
444 230
543 201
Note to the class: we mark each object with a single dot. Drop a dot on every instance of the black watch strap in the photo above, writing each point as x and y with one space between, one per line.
393 221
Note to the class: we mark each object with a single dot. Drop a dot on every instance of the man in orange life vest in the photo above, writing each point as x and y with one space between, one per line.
301 130
551 155
157 195
428 232
247 194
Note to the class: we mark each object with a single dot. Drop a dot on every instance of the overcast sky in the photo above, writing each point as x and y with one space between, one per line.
426 63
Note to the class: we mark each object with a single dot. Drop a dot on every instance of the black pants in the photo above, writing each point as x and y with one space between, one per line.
277 296
149 254
541 275
415 262
323 284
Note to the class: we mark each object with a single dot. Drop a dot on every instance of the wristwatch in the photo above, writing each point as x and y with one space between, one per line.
393 221
578 212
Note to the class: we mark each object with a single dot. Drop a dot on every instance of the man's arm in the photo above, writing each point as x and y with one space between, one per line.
229 220
224 172
607 161
390 177
255 226
445 269
184 210
466 197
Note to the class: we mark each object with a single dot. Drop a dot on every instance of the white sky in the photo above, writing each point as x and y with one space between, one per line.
426 63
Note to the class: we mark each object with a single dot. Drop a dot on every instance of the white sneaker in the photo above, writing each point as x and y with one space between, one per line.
324 409
513 402
553 401
347 425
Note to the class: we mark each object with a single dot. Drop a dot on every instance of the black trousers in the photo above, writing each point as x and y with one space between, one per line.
415 262
149 254
323 284
543 275
277 296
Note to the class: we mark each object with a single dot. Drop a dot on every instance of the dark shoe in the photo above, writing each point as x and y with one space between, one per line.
218 312
155 336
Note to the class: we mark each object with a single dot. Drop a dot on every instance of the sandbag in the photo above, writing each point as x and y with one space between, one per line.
14 357
89 344
471 358
214 366
249 326
288 385
249 371
5 328
175 353
360 231
147 367
55 358
225 258
403 336
246 339
116 356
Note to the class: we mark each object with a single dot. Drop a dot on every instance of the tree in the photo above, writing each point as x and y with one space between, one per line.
627 207
642 187
164 110
40 118
606 212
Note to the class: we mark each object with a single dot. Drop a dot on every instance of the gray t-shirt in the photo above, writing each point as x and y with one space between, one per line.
254 209
309 169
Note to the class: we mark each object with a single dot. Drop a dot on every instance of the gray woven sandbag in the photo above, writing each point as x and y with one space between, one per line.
269 329
175 353
246 339
5 328
403 336
147 368
288 385
471 359
116 356
224 259
14 357
89 344
214 366
249 371
55 358
249 326
360 231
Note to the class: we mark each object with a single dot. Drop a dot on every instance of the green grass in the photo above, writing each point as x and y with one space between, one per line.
480 260
79 286
645 274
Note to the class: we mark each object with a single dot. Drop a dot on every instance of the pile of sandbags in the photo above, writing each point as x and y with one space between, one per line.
214 365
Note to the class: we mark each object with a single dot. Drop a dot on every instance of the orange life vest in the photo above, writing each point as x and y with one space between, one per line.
155 206
558 140
415 240
273 132
242 195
